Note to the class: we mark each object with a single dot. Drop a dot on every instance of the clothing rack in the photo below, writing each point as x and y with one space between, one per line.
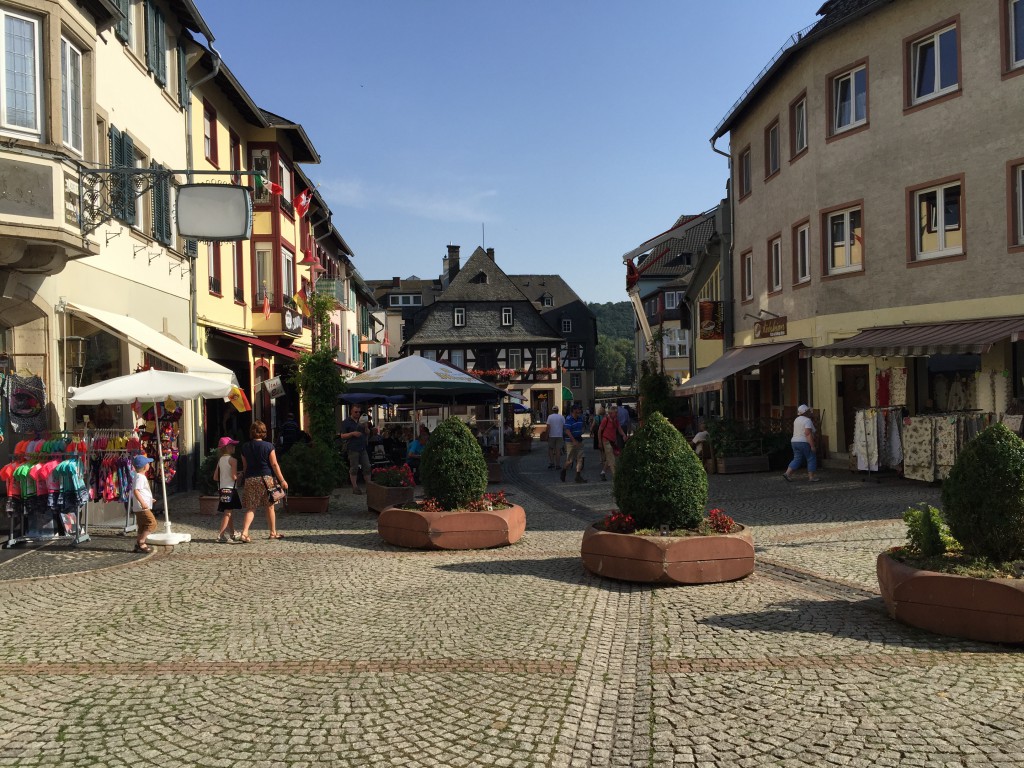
861 416
94 509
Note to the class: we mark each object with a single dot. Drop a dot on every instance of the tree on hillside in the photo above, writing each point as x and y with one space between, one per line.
616 360
615 319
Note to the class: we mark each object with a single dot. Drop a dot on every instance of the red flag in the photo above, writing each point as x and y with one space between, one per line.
266 306
264 183
302 203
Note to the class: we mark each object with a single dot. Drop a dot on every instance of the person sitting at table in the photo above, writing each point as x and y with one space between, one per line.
415 451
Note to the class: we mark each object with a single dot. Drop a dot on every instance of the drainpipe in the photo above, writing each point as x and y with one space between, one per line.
727 273
197 428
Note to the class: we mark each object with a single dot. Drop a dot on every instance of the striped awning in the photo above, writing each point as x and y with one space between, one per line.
961 337
734 361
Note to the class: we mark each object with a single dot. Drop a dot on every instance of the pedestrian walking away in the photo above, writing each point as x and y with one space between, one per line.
804 445
556 432
259 467
574 439
226 476
356 430
612 438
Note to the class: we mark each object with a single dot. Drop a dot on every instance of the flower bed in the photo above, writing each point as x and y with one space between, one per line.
425 527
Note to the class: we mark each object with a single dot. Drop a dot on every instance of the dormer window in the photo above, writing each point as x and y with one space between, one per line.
547 301
459 316
506 315
480 278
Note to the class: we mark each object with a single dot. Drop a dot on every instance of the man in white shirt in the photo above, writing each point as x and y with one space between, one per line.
556 436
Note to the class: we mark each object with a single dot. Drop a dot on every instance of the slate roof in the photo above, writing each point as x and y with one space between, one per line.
834 14
677 257
535 287
481 279
303 150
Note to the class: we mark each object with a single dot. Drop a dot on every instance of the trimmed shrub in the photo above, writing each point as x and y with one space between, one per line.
927 534
453 469
658 478
983 497
311 469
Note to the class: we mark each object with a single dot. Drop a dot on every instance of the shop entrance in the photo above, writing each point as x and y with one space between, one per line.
853 392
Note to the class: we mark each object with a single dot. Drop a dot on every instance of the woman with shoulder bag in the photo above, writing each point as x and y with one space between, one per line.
612 437
260 467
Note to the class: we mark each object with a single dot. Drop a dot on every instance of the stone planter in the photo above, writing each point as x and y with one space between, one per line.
494 473
668 559
306 504
208 505
416 529
735 464
380 497
990 610
518 447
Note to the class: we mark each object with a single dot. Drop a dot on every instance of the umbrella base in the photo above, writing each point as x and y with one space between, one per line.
169 539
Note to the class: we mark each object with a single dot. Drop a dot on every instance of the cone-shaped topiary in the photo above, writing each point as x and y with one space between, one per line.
453 469
983 497
659 480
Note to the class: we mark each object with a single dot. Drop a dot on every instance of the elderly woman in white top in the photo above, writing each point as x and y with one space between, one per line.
804 445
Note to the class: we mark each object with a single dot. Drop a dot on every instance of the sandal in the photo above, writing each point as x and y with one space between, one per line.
143 548
276 536
245 539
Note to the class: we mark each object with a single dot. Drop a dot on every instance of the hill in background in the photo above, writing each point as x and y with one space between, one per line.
614 319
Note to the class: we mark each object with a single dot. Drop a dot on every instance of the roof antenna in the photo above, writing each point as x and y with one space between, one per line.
483 236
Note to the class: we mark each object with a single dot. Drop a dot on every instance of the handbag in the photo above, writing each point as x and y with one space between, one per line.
226 495
274 489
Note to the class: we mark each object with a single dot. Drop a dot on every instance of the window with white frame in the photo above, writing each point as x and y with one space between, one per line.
939 221
210 133
748 275
850 99
675 342
515 359
771 150
458 358
140 196
744 167
799 126
845 241
459 316
934 64
506 315
213 266
575 380
802 253
566 325
405 300
542 357
1015 19
238 270
1018 183
287 273
775 265
575 351
71 95
263 285
20 76
548 301
429 354
285 175
672 299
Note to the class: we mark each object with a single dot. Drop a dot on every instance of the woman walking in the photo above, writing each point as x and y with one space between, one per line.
612 437
259 467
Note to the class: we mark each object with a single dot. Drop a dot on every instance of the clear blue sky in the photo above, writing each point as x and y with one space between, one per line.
572 130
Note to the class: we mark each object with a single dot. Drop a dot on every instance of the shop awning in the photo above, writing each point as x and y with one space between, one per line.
732 362
141 335
266 346
963 337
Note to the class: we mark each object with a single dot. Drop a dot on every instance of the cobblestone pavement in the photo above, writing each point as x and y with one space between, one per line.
330 648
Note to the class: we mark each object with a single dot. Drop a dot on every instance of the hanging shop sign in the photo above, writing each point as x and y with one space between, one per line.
769 327
274 387
712 320
291 321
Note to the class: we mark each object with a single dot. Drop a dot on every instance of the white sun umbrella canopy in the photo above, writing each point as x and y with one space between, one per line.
152 386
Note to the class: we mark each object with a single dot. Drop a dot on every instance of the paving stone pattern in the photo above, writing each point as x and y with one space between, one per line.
331 648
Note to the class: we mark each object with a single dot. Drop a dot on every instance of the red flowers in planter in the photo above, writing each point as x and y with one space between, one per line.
719 522
488 502
618 522
393 477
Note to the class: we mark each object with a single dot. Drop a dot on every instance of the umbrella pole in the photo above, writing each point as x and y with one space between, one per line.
501 427
165 539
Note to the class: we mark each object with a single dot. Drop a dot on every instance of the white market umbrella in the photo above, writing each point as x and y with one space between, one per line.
155 386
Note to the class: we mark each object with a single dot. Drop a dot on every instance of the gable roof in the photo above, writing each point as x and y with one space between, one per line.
303 150
676 256
535 287
481 279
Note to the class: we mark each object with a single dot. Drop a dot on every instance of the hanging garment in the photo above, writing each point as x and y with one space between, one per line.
27 404
867 422
882 387
898 386
947 444
919 448
956 400
894 433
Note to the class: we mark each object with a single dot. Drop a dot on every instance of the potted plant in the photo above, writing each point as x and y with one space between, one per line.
309 470
521 443
738 447
659 533
456 513
960 573
209 493
389 487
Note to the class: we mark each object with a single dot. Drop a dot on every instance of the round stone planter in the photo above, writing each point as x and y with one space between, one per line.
380 497
668 559
416 529
307 504
990 610
208 505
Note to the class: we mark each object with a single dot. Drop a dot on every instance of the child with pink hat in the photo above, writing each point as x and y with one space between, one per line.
226 476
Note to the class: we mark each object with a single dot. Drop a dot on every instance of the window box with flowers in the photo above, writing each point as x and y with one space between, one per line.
456 513
660 534
389 487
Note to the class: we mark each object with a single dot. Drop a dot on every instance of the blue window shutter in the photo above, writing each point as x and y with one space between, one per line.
116 187
183 94
122 30
150 35
127 160
160 50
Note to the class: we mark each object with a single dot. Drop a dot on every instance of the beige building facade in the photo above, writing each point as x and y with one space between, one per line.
877 174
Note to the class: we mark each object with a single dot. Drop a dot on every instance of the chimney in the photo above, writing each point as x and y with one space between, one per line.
396 282
490 253
451 264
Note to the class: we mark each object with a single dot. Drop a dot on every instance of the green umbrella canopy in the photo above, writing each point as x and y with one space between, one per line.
416 375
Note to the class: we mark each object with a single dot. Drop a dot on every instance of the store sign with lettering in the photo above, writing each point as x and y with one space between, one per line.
769 327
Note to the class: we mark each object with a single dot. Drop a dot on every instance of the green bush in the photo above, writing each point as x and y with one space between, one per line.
453 469
927 534
983 497
207 485
311 469
658 478
731 438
